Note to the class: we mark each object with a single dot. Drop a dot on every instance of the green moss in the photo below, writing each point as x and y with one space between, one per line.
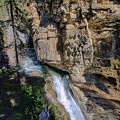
3 11
117 61
54 112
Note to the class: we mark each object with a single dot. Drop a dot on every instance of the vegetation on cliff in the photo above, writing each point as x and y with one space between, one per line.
78 32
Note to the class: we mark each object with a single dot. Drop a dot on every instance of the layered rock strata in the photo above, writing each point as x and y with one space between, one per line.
82 37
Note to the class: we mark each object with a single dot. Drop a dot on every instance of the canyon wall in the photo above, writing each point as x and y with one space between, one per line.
82 37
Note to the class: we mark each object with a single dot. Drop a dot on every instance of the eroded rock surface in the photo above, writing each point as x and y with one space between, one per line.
82 37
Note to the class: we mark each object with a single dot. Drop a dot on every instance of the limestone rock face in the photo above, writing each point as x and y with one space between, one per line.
82 37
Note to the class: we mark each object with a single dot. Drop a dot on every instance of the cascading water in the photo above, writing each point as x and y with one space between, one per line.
60 85
65 97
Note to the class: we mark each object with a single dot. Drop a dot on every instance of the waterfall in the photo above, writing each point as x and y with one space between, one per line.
60 85
64 96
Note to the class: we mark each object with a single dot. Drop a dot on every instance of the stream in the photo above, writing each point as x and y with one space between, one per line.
60 85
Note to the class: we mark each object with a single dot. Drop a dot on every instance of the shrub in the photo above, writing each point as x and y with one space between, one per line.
8 72
30 104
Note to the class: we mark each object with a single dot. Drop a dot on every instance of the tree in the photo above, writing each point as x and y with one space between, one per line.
45 71
14 31
19 22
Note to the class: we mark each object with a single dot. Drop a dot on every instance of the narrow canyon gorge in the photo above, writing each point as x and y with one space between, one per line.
80 38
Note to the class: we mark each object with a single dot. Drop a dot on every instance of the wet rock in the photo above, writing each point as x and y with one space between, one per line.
44 114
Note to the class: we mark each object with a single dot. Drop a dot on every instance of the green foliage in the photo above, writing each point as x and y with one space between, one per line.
30 104
45 71
20 16
53 112
117 61
29 100
8 72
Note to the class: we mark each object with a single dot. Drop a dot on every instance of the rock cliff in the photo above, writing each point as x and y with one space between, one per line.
82 37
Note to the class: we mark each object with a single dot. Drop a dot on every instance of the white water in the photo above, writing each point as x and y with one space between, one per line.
60 85
29 66
65 97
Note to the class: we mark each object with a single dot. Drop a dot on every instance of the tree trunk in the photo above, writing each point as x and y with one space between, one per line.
14 33
15 41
